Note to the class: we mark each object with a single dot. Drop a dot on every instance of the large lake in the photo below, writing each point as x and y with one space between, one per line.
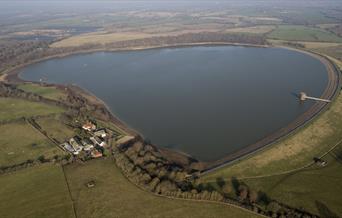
204 101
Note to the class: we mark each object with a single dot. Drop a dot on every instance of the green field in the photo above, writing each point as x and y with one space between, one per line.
316 189
303 33
45 91
55 128
16 108
20 142
35 192
114 196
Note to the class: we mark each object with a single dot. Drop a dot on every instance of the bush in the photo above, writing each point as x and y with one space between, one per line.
41 159
273 207
253 196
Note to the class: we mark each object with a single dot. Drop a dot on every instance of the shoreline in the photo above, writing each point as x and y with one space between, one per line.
330 92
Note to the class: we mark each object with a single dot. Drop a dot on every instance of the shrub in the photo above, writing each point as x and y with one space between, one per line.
41 159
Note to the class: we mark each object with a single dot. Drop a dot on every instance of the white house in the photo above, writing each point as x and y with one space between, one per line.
100 133
75 145
97 141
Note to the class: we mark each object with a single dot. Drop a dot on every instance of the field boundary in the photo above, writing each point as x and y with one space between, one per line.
69 191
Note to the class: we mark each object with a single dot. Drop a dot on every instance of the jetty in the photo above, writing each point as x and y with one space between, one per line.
303 96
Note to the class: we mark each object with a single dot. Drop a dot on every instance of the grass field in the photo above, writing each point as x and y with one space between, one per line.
316 188
114 196
20 142
35 192
16 108
255 29
98 38
303 33
47 92
55 128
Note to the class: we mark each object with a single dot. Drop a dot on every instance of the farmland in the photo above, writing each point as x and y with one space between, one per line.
55 128
20 142
303 33
98 38
304 189
39 191
12 108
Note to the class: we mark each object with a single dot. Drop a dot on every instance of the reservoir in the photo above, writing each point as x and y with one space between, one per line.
206 101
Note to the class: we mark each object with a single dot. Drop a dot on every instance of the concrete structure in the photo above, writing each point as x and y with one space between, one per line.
87 145
303 97
75 146
67 147
100 133
97 141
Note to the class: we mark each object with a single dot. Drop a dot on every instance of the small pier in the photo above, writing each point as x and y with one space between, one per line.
303 96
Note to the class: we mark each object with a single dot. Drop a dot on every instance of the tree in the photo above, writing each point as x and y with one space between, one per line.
253 196
226 189
273 207
41 158
243 192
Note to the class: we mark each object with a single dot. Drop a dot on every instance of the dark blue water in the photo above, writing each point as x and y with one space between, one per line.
205 101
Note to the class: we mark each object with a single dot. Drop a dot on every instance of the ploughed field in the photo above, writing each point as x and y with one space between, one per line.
206 101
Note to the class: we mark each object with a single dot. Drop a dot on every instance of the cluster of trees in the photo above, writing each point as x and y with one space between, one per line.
79 106
10 90
143 165
258 201
294 44
18 51
192 38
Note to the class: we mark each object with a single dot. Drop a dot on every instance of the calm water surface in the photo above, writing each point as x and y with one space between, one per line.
205 101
